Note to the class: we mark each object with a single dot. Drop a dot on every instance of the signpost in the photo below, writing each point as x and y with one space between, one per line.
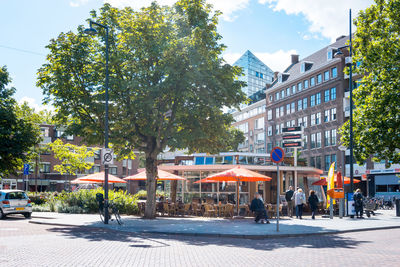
26 173
292 139
107 156
277 155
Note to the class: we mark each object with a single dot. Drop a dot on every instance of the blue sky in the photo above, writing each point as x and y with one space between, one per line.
271 29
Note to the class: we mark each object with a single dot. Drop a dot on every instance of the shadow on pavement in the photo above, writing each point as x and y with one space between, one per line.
140 240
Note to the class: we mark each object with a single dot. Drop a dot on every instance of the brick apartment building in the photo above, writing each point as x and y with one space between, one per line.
50 180
312 93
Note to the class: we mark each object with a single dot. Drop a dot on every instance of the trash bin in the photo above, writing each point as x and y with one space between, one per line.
398 207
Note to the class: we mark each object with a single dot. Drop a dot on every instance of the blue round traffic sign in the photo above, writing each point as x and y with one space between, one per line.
277 154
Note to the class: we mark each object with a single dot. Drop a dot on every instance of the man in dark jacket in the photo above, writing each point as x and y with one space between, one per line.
358 203
288 197
313 202
257 206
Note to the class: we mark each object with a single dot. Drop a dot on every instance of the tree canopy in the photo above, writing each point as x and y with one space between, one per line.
377 97
168 82
18 131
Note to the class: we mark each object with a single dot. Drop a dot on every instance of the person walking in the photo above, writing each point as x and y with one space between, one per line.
288 196
257 206
299 200
313 202
358 203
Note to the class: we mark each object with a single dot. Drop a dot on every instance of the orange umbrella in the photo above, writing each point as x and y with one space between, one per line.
162 175
323 181
238 174
99 178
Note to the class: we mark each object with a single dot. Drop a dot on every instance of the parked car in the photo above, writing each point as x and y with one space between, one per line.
14 202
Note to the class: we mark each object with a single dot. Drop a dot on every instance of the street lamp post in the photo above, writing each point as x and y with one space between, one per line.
92 31
349 63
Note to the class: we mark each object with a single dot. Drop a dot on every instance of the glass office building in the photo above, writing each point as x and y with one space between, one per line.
256 75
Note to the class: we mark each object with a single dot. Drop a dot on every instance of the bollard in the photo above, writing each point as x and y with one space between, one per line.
397 207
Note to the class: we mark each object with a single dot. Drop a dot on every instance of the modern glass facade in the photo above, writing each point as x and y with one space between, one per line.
256 75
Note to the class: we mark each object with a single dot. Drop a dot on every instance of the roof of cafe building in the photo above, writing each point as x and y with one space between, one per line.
303 170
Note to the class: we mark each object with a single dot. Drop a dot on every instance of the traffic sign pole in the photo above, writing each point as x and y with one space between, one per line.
277 196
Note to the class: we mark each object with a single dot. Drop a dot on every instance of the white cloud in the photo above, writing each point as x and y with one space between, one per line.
78 3
228 7
32 103
328 18
276 61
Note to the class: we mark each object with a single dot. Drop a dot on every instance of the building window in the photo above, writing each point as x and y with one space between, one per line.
287 91
329 54
96 168
312 162
299 87
327 162
277 96
287 109
312 122
261 136
293 107
327 94
305 84
292 123
305 103
261 76
45 167
270 98
333 114
333 93
113 170
269 114
44 131
318 118
281 128
327 139
287 124
305 122
319 78
318 144
327 115
300 121
313 141
70 137
333 159
312 101
333 135
300 104
312 81
318 98
259 123
257 75
318 162
305 142
303 67
326 75
282 110
293 89
282 94
244 127
277 115
269 147
269 132
277 129
334 72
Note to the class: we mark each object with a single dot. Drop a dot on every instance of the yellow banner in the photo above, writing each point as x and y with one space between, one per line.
330 182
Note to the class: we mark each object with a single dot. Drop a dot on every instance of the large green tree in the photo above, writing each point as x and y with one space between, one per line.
18 132
168 82
377 98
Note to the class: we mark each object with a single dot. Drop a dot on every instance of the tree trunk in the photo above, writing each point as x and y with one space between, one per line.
151 183
174 186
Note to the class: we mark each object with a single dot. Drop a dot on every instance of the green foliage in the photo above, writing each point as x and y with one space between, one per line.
168 82
72 157
142 194
82 201
18 131
377 99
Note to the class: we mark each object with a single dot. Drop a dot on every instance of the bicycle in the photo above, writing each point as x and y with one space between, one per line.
112 209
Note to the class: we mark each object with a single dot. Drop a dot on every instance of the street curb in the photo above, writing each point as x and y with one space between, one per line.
229 235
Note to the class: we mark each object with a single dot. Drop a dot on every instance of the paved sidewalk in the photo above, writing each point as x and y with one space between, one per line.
224 227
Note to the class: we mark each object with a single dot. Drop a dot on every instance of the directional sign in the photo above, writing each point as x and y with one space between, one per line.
277 154
291 129
292 137
292 144
107 156
26 169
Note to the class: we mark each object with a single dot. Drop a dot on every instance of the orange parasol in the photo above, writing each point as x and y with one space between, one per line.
323 181
162 175
99 178
238 174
